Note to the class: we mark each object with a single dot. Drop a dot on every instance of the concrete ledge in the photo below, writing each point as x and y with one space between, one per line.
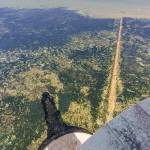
128 131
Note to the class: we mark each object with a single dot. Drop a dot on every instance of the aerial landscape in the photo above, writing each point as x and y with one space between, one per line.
94 67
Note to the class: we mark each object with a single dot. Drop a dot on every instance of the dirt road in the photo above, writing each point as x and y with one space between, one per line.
114 79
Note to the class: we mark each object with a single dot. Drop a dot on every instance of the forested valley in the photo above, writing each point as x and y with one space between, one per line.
71 56
58 51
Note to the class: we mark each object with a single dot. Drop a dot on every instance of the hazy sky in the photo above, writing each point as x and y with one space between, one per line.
96 8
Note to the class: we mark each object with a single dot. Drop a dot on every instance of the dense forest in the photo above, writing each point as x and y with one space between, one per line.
53 50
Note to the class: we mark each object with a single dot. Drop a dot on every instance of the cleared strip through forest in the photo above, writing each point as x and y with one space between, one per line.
112 96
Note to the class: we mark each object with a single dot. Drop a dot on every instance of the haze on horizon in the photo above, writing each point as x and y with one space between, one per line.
95 8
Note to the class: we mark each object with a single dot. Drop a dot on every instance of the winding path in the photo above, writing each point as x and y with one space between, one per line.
114 78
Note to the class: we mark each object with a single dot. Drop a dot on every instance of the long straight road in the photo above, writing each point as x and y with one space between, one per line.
114 77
